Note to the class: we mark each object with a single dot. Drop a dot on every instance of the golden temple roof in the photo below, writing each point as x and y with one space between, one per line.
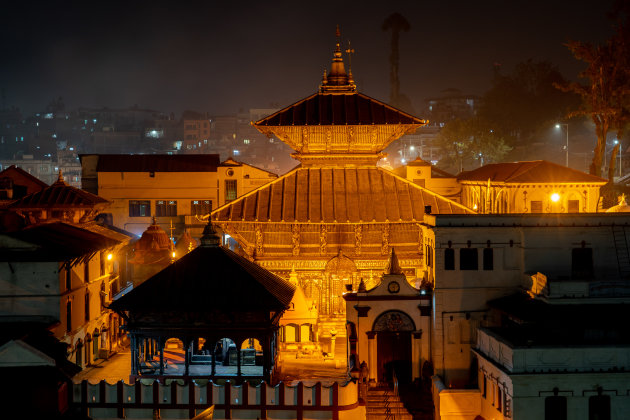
337 195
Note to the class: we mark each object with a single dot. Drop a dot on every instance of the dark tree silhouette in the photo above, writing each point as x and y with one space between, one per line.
396 23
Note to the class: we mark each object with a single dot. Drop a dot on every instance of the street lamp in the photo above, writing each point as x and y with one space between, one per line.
567 145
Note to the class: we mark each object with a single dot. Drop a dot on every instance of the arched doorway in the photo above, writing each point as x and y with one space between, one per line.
339 272
393 334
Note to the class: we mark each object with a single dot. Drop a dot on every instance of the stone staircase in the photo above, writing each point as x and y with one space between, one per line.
382 404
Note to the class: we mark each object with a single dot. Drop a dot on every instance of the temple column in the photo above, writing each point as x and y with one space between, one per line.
134 355
238 360
187 357
161 346
372 355
416 354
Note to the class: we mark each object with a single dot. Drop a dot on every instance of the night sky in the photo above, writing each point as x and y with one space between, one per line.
222 56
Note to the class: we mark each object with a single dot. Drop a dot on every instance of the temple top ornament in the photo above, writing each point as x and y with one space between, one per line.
338 126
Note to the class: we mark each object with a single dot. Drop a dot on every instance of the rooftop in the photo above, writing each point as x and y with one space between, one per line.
532 172
158 163
337 195
209 278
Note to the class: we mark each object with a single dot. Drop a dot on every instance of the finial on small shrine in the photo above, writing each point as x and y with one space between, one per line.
210 237
393 266
362 288
293 277
60 179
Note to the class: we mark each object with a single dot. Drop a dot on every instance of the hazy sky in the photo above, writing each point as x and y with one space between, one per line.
219 56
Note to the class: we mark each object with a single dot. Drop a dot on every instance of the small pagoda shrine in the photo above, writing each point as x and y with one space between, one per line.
210 314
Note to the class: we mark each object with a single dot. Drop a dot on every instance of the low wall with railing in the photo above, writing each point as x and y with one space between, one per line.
178 399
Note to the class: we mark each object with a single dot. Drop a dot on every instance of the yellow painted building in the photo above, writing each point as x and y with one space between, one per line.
529 187
178 190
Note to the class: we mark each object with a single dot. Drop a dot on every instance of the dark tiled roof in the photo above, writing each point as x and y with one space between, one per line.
207 279
58 195
21 172
157 163
331 195
56 242
338 109
538 171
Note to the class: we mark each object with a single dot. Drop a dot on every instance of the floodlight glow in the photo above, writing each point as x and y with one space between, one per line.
109 257
555 197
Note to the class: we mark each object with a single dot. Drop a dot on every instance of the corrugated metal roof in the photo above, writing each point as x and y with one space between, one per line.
338 109
58 195
337 195
537 172
56 242
206 279
158 163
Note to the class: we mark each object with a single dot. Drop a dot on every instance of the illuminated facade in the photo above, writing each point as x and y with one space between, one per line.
335 218
179 190
529 187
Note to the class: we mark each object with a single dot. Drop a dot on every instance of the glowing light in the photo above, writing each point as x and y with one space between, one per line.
555 197
475 207
173 254
557 125
109 257
412 148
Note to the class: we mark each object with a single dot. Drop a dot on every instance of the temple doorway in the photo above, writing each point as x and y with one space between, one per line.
393 335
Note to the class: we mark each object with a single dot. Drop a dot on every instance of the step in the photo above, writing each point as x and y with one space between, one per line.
388 417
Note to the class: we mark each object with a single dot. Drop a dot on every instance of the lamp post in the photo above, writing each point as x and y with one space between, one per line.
567 145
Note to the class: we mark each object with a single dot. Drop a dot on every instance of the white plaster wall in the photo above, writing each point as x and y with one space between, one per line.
29 289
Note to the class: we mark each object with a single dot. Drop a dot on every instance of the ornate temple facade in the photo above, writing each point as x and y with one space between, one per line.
335 217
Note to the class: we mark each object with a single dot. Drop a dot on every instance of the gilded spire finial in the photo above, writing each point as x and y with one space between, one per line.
337 80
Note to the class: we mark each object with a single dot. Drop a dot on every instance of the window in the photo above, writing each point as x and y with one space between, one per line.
536 206
500 399
468 259
582 262
87 305
429 256
485 386
102 263
139 208
449 259
230 190
488 259
200 207
86 272
574 206
556 408
166 208
599 407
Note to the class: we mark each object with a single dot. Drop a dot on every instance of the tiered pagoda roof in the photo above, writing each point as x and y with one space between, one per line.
337 195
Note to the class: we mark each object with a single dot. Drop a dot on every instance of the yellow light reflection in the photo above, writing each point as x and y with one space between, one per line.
555 197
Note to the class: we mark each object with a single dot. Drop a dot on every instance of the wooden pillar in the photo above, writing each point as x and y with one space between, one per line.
372 355
214 363
266 357
134 355
187 358
161 345
238 360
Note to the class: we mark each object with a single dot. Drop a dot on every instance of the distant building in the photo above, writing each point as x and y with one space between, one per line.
43 169
451 104
196 136
178 190
15 183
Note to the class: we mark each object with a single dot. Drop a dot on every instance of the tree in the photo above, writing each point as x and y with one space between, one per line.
397 24
605 96
525 102
466 141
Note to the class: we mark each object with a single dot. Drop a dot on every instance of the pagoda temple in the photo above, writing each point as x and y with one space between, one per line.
335 217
